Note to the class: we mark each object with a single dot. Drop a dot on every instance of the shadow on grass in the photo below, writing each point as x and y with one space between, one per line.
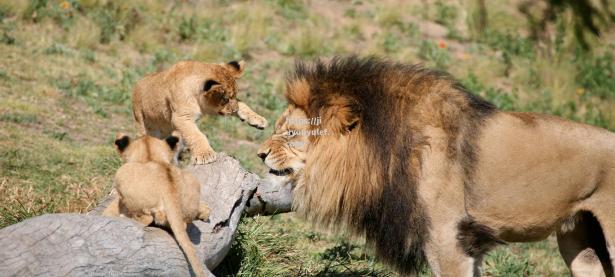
346 259
231 265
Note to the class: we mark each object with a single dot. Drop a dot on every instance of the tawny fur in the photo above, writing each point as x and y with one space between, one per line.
429 172
152 190
174 99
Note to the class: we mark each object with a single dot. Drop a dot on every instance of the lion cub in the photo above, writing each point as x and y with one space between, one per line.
174 99
151 189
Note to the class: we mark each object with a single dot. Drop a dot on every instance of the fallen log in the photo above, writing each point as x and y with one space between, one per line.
94 245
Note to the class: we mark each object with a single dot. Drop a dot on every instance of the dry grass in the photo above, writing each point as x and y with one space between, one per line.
67 72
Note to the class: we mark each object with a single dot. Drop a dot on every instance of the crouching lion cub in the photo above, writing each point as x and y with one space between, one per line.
174 99
151 189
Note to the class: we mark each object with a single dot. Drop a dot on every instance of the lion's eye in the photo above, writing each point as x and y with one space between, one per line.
291 133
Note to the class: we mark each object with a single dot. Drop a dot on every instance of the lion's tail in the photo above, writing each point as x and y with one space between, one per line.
178 226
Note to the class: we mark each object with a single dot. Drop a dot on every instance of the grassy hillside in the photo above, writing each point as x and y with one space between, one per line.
68 68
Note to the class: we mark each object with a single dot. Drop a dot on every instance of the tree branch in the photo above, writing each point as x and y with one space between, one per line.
85 245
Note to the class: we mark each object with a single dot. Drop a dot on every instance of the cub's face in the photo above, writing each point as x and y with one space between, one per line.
215 86
285 151
146 148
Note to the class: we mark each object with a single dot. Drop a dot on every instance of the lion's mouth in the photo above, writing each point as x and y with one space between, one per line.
281 172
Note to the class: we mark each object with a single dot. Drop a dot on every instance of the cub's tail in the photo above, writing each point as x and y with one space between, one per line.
178 226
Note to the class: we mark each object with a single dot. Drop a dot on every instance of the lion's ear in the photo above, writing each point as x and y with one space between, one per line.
209 84
236 67
121 142
298 93
342 115
172 141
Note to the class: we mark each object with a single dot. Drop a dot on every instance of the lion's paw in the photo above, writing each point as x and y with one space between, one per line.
204 157
257 121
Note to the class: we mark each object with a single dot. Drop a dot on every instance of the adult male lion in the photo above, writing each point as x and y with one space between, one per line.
429 172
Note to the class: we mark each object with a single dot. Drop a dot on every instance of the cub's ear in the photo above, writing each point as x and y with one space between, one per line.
341 115
209 84
172 141
121 142
237 67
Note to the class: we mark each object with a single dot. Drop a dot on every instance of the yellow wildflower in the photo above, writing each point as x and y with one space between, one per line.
65 5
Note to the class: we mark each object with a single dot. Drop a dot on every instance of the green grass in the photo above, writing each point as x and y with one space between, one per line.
50 173
68 68
437 56
596 75
283 246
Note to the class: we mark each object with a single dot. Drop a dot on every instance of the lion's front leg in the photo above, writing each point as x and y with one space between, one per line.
201 151
252 118
445 255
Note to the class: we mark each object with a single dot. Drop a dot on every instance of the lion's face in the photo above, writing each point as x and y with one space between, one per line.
221 100
284 152
216 87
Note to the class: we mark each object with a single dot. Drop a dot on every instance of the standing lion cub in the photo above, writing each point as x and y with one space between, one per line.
174 99
151 189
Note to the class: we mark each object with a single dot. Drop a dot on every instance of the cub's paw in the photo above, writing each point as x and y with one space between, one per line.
144 219
203 211
204 157
257 122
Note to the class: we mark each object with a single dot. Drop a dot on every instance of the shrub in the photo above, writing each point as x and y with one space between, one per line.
445 14
63 13
291 9
58 49
36 10
596 75
509 44
502 263
115 19
434 53
187 28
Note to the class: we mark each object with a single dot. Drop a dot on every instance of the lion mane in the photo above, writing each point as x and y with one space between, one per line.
364 177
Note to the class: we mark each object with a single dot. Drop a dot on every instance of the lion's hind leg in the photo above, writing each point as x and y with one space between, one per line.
145 219
582 245
113 209
160 217
607 222
602 206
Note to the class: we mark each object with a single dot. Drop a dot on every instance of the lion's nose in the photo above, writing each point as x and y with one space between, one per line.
262 155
